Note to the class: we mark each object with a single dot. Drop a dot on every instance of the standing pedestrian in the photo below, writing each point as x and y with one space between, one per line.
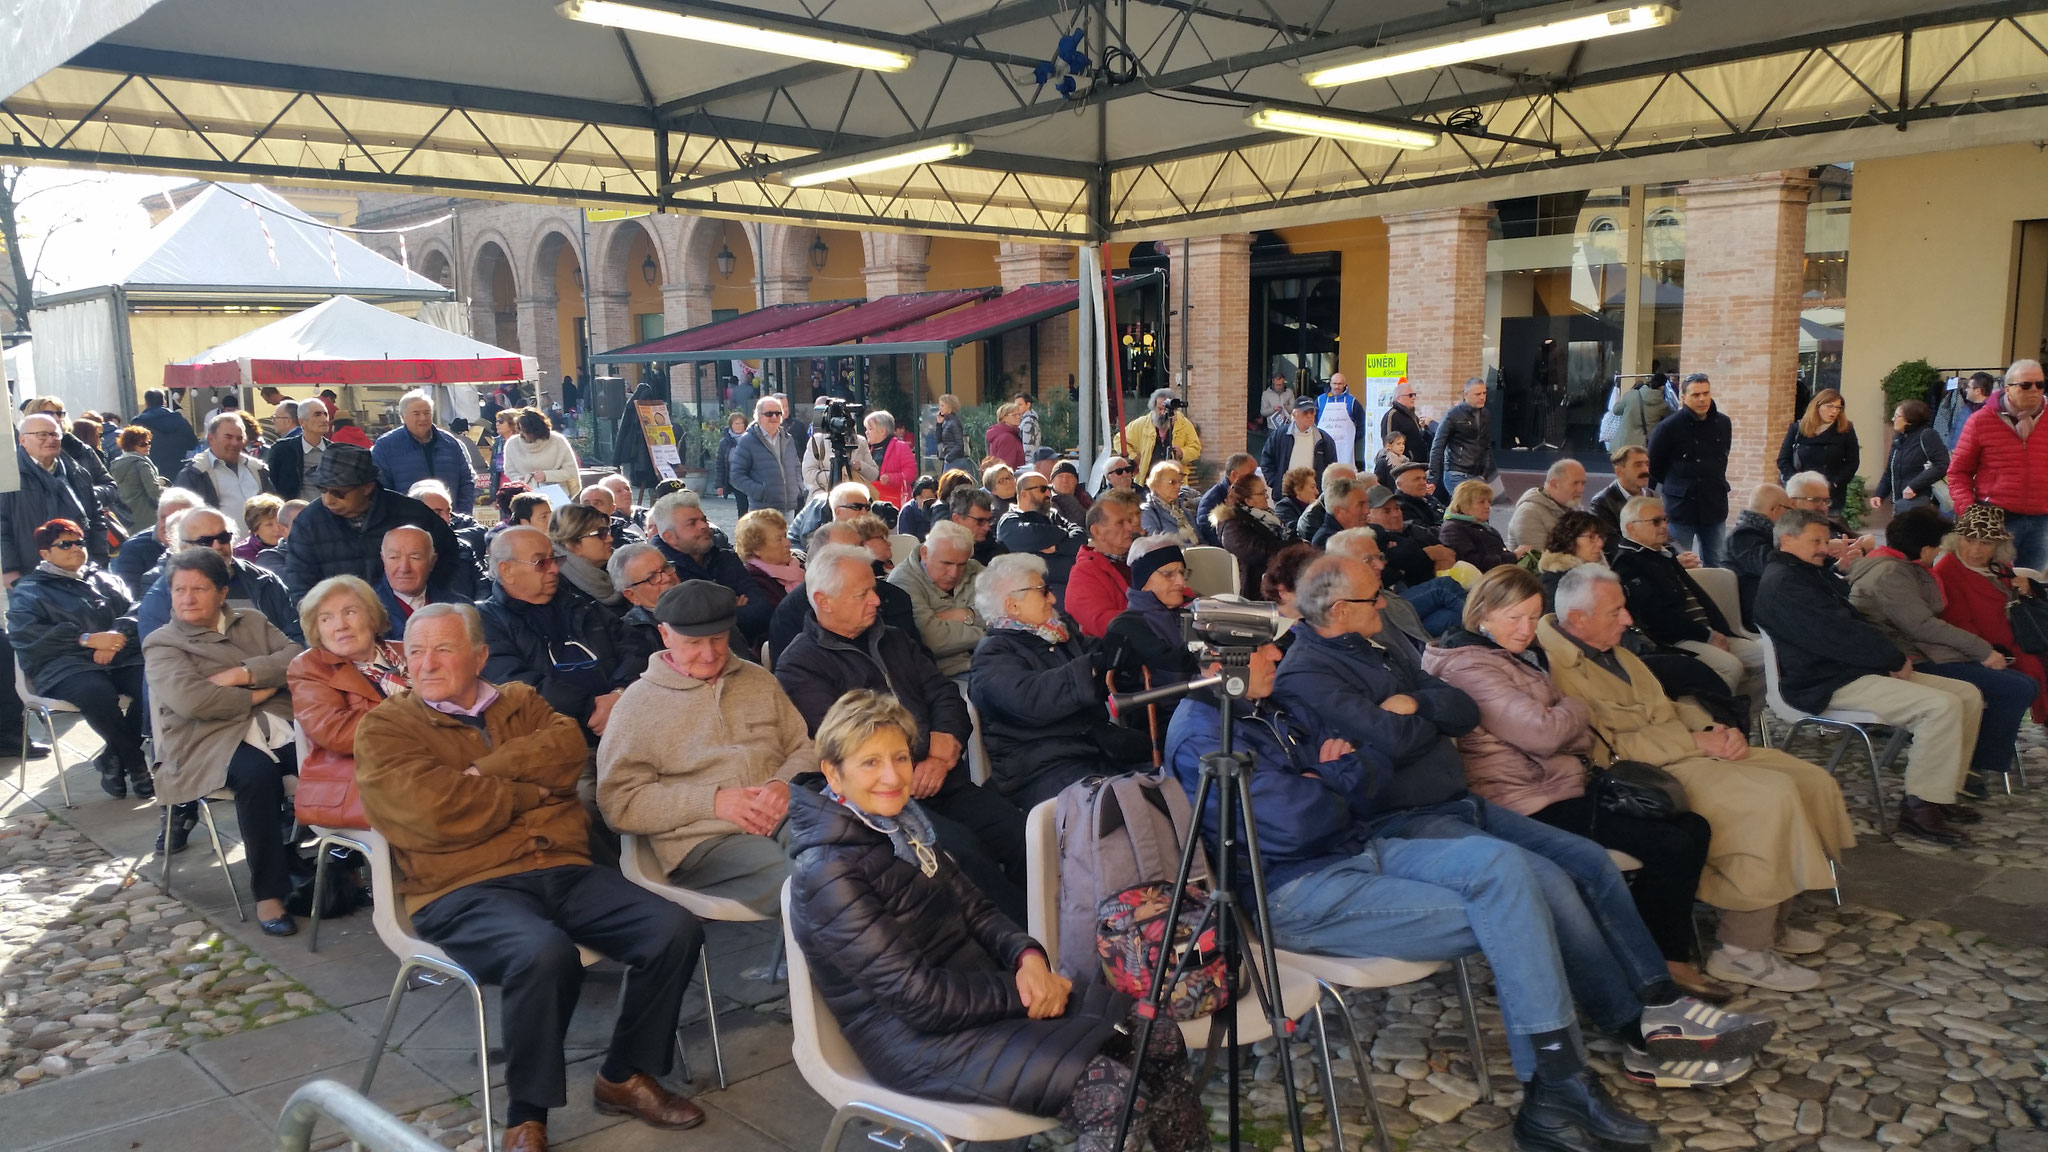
2000 461
766 465
1823 441
1463 448
1340 415
1689 465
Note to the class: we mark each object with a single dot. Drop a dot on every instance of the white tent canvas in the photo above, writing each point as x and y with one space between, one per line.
346 341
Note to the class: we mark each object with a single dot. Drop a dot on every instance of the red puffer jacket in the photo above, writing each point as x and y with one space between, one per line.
1098 589
1993 465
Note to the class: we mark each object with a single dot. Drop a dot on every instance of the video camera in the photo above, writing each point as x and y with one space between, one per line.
840 419
1217 624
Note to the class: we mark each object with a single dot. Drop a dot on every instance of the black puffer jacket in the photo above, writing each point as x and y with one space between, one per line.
1661 596
1822 642
1042 714
46 614
820 667
1918 460
1689 465
920 972
66 492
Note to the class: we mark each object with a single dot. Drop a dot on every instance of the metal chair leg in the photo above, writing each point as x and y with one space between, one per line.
1361 1065
1329 1076
1472 1036
319 891
711 1011
220 854
406 970
56 755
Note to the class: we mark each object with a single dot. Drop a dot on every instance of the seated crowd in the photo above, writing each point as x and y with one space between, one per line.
1436 737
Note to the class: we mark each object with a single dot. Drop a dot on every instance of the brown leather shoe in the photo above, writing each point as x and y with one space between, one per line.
531 1136
1919 818
644 1097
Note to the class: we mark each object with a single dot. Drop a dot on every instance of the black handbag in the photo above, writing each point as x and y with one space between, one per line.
2028 616
1639 791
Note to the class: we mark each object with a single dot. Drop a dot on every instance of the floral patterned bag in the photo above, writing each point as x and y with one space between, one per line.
1129 928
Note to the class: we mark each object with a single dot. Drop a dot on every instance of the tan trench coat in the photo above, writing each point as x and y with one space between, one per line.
198 723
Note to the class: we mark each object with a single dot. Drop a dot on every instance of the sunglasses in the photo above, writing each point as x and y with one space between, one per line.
67 545
855 507
2026 385
1121 471
213 541
1036 488
1379 599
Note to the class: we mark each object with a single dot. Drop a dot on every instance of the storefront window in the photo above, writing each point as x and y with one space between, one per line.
1824 302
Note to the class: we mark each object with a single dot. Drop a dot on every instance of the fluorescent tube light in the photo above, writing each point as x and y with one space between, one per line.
734 34
1491 42
1342 127
910 155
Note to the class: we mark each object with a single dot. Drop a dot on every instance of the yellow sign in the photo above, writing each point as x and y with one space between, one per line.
1384 364
661 438
1385 372
601 215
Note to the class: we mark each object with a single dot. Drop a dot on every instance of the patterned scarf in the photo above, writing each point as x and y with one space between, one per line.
910 832
385 670
1052 631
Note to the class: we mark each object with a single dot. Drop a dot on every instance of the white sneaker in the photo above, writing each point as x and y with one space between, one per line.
1760 969
1645 1069
1799 942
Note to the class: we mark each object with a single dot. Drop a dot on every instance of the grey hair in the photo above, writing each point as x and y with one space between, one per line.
821 536
1632 511
413 528
1576 592
1351 542
665 508
950 533
1798 520
177 523
1803 480
1765 496
624 557
848 488
472 621
1005 576
204 561
1159 394
219 417
1692 378
1325 582
416 394
1333 473
313 402
1147 544
1341 490
825 571
434 487
1562 468
882 420
501 544
286 408
178 499
2019 366
764 398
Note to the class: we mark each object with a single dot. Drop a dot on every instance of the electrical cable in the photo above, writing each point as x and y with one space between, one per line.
273 210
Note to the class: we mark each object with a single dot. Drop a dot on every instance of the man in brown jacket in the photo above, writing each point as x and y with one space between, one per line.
474 785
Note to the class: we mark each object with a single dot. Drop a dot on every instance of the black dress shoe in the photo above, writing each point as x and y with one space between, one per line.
141 783
1962 814
282 926
1577 1115
1975 787
1919 818
37 750
113 781
183 818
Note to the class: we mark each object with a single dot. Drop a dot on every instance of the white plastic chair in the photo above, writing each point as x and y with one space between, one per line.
1842 720
1211 570
639 864
977 752
46 707
832 1070
418 957
903 548
220 854
1724 587
767 657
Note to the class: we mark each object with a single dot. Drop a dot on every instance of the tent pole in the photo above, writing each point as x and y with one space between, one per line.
1084 367
1105 333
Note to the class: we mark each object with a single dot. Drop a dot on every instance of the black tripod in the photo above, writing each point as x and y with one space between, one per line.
1228 772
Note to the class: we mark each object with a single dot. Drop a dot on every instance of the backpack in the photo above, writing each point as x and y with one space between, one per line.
1115 833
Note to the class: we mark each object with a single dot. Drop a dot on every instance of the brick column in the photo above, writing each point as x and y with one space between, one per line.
895 263
1745 265
611 322
540 338
1020 264
1215 337
784 289
685 306
1436 302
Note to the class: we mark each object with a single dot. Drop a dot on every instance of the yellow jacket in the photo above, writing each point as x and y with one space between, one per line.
1138 437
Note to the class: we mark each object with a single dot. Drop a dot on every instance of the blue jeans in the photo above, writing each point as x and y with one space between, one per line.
1704 539
1438 900
2029 540
2008 693
1609 956
1440 602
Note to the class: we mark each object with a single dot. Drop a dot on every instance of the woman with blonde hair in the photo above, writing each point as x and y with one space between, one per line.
346 670
762 540
999 480
582 536
1169 507
540 455
949 433
1822 441
1467 533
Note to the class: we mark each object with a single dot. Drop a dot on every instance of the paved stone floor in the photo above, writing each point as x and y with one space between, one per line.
140 1020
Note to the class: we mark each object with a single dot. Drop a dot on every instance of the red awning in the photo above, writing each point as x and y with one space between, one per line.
1020 306
727 333
860 321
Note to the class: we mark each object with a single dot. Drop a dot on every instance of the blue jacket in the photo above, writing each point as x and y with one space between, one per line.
568 650
1279 450
1310 815
1338 683
436 594
402 461
1357 420
770 473
255 586
171 438
46 614
137 556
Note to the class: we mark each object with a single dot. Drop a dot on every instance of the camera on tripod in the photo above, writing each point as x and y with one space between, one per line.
1216 624
837 418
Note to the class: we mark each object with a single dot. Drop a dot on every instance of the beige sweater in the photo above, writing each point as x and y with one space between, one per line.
673 742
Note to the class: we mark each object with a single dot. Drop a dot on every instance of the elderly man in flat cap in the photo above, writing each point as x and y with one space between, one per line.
342 534
699 754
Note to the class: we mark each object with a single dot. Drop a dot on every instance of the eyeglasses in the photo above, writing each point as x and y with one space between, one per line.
1816 500
2026 385
1380 598
42 435
66 545
602 533
213 541
540 565
980 519
1654 521
661 575
1036 588
854 507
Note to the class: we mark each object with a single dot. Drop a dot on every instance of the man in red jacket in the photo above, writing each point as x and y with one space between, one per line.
1998 461
1098 588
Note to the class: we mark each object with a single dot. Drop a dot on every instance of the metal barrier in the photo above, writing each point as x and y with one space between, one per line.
369 1126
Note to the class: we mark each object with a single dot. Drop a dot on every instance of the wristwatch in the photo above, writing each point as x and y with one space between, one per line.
85 638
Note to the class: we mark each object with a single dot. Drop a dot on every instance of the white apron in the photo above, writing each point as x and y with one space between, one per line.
1336 420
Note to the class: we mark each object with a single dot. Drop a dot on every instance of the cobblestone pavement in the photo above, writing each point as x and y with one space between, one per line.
95 972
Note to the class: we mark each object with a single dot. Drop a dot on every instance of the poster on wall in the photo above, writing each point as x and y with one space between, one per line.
661 438
1385 372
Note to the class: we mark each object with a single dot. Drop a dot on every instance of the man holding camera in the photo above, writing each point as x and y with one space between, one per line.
837 437
1164 433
